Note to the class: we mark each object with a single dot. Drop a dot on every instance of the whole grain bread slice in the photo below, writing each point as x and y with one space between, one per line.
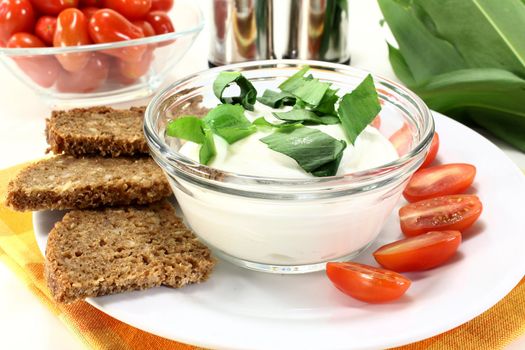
97 252
98 130
65 182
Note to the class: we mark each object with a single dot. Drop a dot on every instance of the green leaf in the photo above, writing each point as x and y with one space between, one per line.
228 121
329 169
208 150
358 108
327 104
248 94
330 119
400 66
295 80
309 89
276 99
186 128
312 149
301 115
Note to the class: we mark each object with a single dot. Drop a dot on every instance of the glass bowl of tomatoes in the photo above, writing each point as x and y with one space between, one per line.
89 52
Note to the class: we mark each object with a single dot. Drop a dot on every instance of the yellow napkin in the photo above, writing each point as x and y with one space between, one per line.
18 249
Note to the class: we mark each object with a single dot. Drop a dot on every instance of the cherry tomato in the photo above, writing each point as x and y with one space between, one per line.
134 70
89 79
439 181
53 7
161 22
15 16
89 11
367 283
434 147
418 253
376 123
402 139
161 5
131 9
455 212
147 28
43 70
72 30
45 29
91 3
107 26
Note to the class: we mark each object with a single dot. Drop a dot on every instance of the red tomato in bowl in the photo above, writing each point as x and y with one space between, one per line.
132 71
146 27
455 212
131 9
367 283
161 22
89 79
72 30
161 5
43 70
402 139
15 16
439 180
53 7
89 11
91 3
108 26
45 29
418 253
431 155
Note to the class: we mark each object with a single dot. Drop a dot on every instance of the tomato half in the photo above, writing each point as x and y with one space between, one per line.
72 30
455 212
367 283
418 253
108 26
161 22
15 16
43 70
45 29
439 180
402 139
432 152
376 123
161 5
131 9
53 7
89 79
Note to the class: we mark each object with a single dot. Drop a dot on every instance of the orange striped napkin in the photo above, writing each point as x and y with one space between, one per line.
491 330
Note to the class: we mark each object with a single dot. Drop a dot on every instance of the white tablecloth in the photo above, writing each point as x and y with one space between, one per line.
22 117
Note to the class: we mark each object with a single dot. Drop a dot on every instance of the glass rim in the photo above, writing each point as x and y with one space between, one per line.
219 179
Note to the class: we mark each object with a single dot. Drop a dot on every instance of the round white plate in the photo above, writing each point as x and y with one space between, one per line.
241 309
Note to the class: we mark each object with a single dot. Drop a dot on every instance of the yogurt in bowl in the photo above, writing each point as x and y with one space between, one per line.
259 208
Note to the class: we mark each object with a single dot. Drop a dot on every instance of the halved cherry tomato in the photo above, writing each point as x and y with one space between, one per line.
455 212
72 30
89 79
89 11
439 180
146 27
53 7
418 253
131 9
45 29
107 26
367 283
15 16
161 5
134 70
43 70
376 123
434 147
161 22
402 139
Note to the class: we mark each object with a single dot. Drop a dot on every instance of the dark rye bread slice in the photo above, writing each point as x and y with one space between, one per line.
98 130
98 252
65 182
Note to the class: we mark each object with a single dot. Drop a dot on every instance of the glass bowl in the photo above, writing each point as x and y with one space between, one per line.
116 72
287 225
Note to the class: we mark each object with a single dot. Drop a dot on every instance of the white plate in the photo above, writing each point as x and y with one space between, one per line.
241 309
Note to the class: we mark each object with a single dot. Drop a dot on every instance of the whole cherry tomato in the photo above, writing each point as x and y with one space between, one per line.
72 30
161 5
132 71
146 27
15 16
108 26
160 21
91 3
53 7
45 29
43 70
89 79
89 11
131 9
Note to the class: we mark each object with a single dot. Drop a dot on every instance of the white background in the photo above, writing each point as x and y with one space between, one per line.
24 321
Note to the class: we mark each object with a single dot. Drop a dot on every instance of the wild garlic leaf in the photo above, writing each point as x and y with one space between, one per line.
208 150
187 128
330 119
358 108
248 94
302 115
327 104
229 122
308 89
312 149
276 99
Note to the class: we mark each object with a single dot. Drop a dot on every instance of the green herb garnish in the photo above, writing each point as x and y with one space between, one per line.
298 115
207 151
248 94
277 99
187 128
315 151
308 89
228 121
